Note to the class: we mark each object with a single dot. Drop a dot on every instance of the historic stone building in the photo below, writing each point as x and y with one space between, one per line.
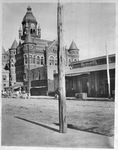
12 63
5 69
85 76
42 56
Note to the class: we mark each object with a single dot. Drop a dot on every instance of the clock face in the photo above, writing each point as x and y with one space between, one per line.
33 26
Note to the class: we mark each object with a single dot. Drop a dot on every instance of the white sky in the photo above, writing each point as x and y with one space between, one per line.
90 25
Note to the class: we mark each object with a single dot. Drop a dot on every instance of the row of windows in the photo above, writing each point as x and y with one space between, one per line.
40 60
74 60
53 61
34 60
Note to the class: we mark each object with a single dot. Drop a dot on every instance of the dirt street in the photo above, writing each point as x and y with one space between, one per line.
89 116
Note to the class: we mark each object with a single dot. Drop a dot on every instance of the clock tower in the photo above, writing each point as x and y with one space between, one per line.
29 23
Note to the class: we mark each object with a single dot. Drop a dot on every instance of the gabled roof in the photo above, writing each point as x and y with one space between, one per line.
14 45
52 43
73 46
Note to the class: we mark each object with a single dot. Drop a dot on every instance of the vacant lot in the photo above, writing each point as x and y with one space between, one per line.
92 116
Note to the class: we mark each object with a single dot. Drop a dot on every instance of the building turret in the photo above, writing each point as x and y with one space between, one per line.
29 17
74 51
29 22
5 58
12 53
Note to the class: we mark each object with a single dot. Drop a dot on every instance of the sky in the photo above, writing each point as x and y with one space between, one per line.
89 25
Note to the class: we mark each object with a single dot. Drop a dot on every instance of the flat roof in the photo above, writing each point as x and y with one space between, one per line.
88 69
91 59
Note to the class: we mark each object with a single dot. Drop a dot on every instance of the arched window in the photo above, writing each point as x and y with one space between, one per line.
51 60
42 60
25 57
55 60
34 59
30 58
38 60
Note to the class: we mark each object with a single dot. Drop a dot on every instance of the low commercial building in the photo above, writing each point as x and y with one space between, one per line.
90 76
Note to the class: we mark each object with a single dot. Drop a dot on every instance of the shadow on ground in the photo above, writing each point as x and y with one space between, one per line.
36 123
91 130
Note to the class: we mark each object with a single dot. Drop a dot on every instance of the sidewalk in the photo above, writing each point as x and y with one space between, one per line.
73 98
22 132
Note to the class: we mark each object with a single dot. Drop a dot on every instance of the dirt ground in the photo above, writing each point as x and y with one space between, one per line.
92 116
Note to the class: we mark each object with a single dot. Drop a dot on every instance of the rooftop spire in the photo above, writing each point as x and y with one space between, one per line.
29 17
29 8
73 46
14 45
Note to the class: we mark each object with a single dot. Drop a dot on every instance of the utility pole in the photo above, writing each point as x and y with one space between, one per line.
61 71
28 42
108 74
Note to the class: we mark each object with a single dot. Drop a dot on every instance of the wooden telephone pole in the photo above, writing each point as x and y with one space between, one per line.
61 72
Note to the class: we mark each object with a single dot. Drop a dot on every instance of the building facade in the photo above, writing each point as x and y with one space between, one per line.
12 62
5 70
42 55
90 76
38 57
